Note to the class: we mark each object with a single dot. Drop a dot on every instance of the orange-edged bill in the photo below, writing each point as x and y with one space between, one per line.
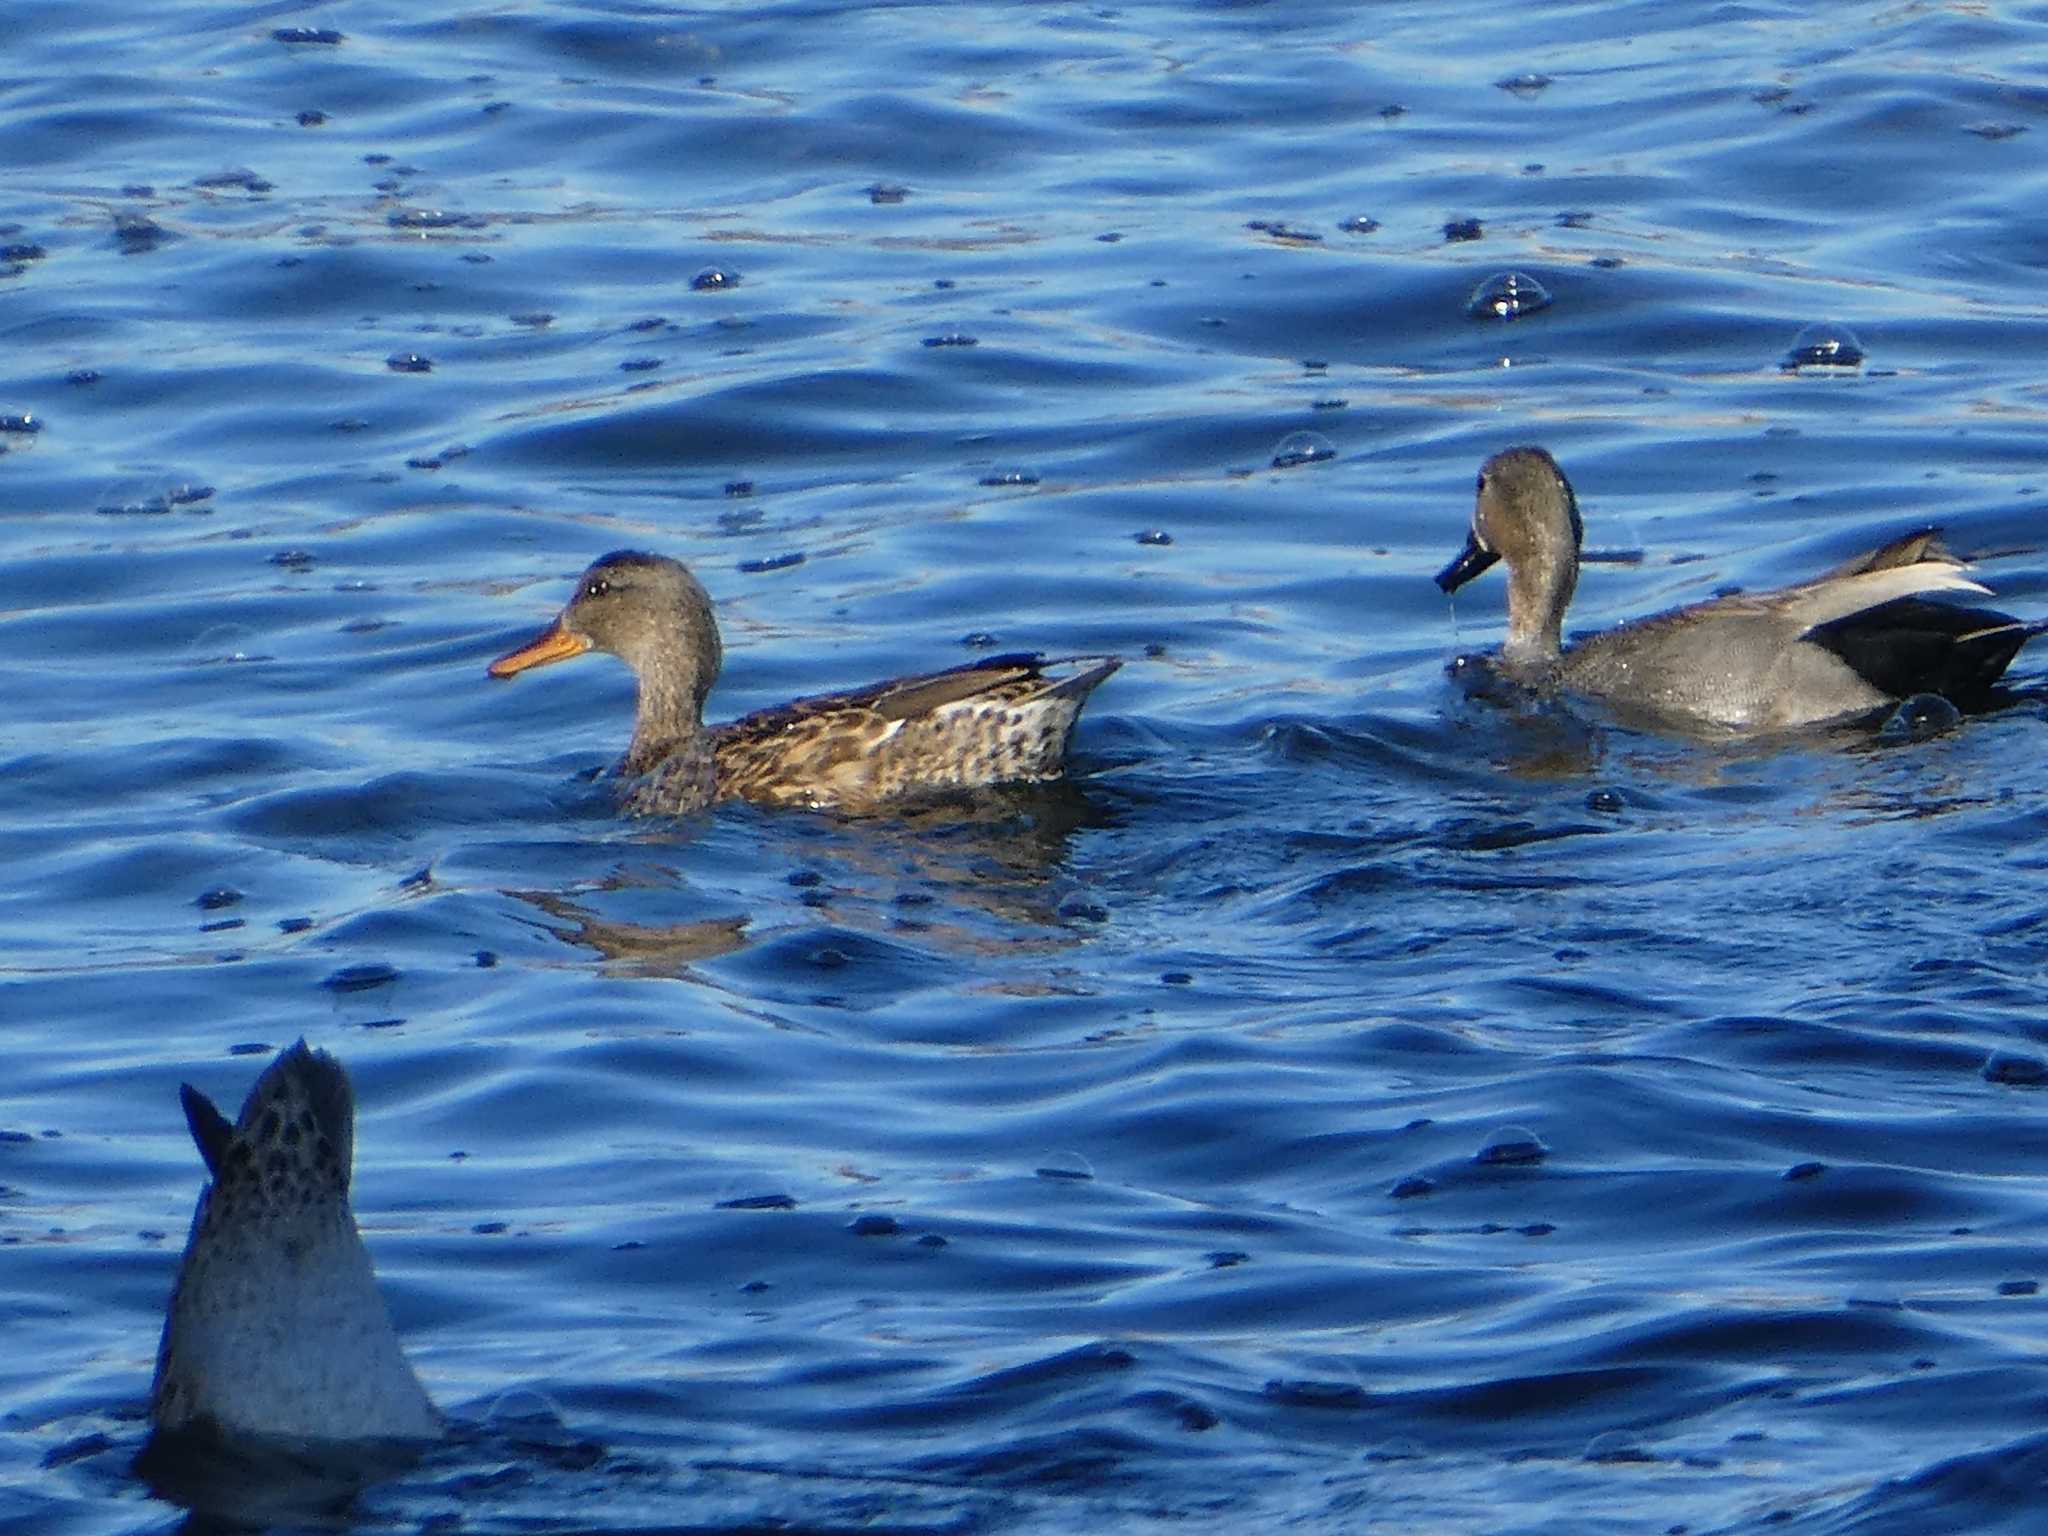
554 644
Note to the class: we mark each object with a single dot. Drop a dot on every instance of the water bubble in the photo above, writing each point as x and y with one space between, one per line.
143 496
1298 448
1082 909
409 362
311 118
137 234
1279 230
874 1225
526 1408
1464 229
1824 345
1917 718
1615 1445
1359 224
952 339
425 218
360 978
1512 1145
325 36
884 193
768 1202
20 421
1065 1165
1526 86
711 279
1158 538
1317 1394
1010 477
234 177
1507 296
2016 1068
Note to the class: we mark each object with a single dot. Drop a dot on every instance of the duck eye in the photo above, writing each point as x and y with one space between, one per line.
1481 486
597 588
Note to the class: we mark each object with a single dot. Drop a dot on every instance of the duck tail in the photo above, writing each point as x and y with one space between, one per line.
1095 670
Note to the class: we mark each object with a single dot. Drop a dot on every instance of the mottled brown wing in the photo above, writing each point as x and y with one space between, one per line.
898 698
850 748
813 759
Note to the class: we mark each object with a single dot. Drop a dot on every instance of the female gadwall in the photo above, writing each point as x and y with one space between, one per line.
1845 643
990 722
276 1329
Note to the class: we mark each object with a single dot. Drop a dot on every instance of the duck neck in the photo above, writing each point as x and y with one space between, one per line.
670 715
676 673
1538 594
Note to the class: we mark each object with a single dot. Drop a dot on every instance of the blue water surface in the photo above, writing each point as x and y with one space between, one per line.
1113 1156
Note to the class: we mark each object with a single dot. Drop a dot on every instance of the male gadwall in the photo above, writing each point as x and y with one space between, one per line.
990 722
276 1330
1846 643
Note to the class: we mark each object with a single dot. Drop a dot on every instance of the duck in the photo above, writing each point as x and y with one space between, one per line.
1852 641
276 1331
1000 720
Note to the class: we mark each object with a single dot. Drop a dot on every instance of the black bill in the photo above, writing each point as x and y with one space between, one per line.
1473 559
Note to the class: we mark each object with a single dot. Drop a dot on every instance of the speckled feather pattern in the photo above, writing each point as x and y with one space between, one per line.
1002 719
847 751
276 1328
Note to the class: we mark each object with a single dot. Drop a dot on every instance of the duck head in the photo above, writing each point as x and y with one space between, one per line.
651 613
1526 514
